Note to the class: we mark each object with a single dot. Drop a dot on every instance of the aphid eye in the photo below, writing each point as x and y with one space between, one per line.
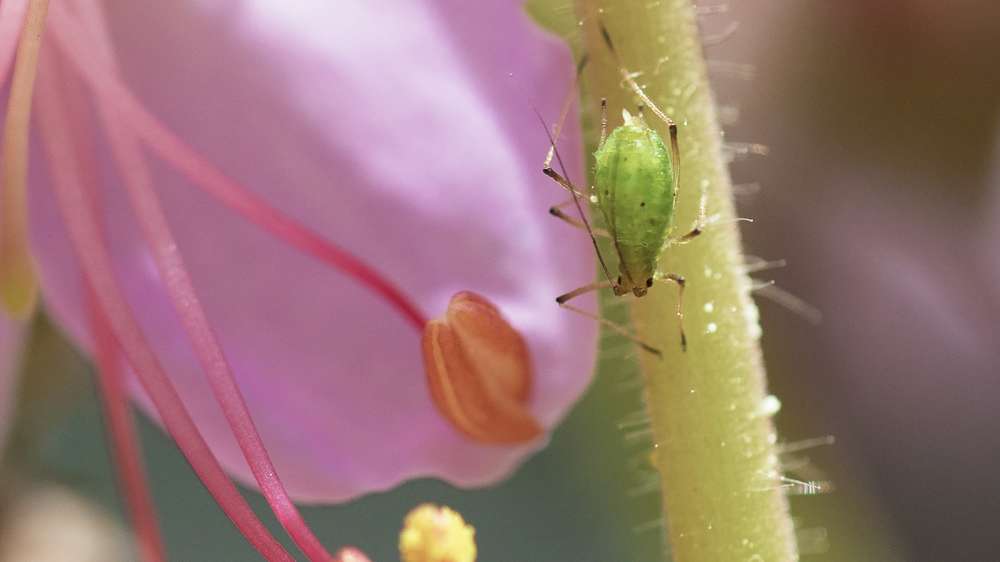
643 204
649 282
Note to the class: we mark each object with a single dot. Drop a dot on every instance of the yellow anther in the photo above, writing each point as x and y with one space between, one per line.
436 534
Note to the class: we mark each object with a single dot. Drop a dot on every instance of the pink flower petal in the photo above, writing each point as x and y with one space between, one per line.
406 137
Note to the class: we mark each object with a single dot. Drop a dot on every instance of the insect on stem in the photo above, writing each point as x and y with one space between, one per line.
635 188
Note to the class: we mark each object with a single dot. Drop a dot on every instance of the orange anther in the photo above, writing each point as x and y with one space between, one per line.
479 372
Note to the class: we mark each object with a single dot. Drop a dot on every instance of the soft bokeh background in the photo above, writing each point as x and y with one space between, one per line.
882 192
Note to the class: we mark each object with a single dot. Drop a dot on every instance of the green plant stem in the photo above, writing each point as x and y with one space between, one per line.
710 414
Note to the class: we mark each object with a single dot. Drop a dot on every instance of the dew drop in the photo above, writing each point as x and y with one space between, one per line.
769 406
711 328
709 307
752 317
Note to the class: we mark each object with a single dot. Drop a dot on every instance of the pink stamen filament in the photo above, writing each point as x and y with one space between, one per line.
103 79
114 399
123 438
150 215
95 262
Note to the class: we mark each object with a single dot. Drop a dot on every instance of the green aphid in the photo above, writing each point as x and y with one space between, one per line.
635 189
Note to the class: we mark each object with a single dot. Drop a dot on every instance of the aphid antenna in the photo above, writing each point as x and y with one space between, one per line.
563 180
564 111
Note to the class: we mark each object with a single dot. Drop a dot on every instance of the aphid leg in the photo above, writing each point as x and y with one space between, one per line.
557 212
562 300
679 280
568 186
638 91
699 223
564 112
596 286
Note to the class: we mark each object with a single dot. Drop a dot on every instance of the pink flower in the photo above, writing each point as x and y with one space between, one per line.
435 179
406 137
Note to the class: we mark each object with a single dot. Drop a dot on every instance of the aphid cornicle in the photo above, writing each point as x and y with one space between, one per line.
636 180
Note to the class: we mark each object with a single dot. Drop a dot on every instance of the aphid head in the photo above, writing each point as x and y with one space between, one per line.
641 290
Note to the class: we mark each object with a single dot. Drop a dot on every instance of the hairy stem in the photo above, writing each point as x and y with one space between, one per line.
710 414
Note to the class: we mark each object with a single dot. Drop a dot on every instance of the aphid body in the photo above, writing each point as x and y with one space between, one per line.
635 186
635 189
